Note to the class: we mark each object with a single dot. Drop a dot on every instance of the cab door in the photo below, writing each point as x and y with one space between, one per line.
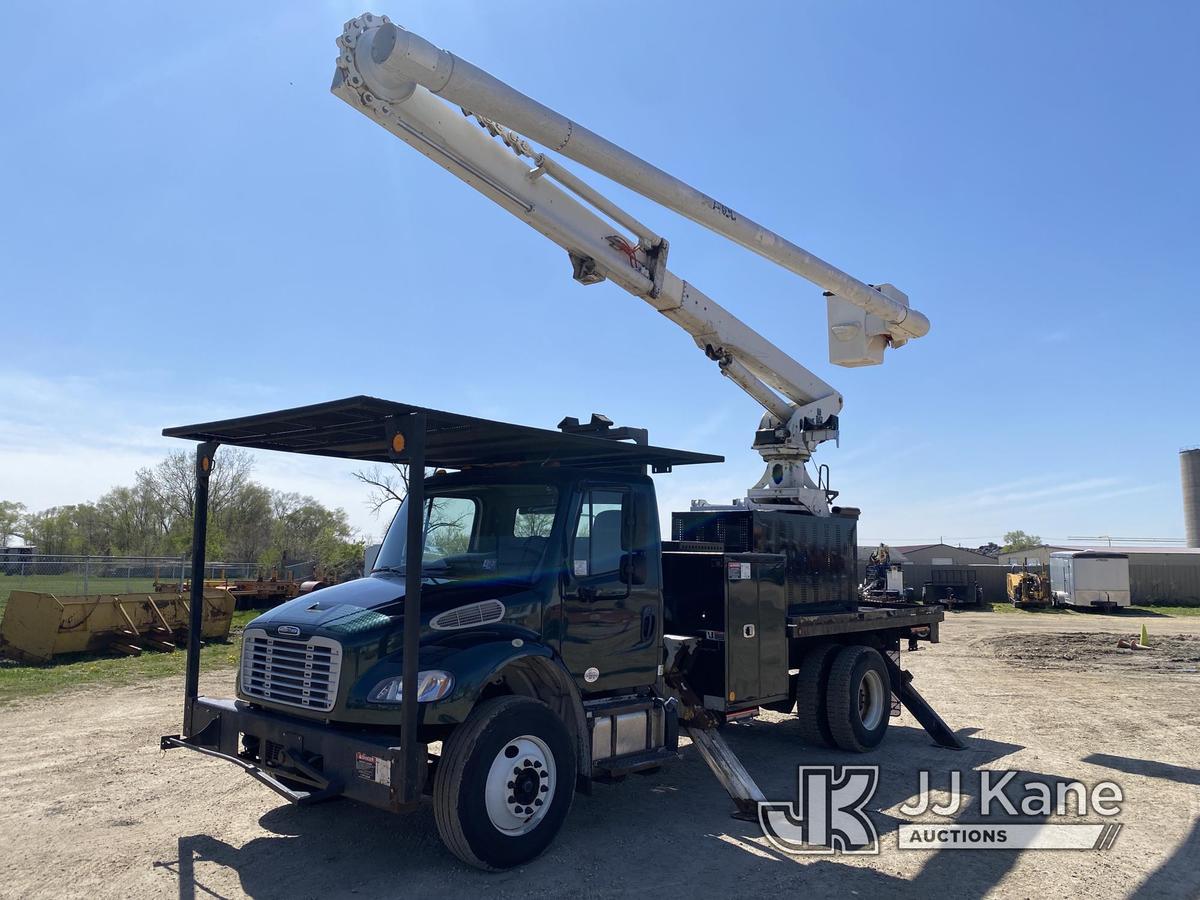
611 602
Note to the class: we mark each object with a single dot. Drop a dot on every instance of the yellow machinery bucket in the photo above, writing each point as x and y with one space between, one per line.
37 627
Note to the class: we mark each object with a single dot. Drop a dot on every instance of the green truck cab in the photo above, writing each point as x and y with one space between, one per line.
558 640
557 563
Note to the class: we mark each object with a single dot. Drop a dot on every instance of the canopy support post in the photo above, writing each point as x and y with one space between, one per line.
191 682
412 431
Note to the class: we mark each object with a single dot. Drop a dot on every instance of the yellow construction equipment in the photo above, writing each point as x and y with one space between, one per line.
1028 588
37 627
248 593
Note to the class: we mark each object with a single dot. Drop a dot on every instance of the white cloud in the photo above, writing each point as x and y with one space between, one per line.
69 439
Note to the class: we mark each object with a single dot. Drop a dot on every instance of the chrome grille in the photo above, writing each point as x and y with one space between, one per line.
296 671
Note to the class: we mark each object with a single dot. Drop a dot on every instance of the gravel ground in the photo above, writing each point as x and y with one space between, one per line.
90 807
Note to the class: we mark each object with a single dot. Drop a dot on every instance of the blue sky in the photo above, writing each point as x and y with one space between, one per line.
197 229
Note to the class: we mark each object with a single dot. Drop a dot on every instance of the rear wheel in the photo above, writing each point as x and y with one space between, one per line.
811 688
504 783
858 699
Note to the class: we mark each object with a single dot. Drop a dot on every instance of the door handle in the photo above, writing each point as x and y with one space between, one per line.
648 623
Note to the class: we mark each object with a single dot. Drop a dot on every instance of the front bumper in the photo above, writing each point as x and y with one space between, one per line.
330 761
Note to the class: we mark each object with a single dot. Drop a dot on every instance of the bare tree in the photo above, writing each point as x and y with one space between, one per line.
173 481
388 484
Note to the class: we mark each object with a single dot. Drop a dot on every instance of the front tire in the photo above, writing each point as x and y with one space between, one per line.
504 783
858 701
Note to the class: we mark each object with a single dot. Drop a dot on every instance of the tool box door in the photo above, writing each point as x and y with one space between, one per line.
756 659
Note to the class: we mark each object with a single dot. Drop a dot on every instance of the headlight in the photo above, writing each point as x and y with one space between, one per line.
433 684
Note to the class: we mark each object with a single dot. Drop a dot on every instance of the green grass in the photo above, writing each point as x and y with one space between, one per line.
1165 610
70 585
77 670
1009 609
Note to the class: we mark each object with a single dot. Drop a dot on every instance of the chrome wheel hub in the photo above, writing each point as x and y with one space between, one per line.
520 785
871 700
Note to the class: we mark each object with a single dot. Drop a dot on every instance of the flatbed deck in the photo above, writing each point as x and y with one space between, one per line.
867 618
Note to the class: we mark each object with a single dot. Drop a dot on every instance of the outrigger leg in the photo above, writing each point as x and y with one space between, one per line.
729 771
935 726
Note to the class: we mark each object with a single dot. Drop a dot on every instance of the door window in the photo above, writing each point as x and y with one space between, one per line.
599 543
449 525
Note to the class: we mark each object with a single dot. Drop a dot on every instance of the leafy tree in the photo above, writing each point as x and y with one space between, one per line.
11 514
246 523
59 530
1019 540
306 531
153 517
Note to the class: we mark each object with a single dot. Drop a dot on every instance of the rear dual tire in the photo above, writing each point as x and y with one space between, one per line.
858 699
811 700
843 697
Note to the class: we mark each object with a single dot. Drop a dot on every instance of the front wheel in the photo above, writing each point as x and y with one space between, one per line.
504 783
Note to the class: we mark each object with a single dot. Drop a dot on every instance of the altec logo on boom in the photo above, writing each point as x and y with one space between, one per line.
829 815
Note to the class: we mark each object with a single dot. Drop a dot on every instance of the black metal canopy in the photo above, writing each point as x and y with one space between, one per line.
361 428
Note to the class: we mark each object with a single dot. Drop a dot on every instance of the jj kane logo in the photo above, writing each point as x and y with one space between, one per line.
829 814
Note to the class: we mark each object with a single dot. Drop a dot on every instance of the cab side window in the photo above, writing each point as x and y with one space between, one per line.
599 543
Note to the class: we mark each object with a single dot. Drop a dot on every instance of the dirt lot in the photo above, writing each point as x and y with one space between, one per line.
90 807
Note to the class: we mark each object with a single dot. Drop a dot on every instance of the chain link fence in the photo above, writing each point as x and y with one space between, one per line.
91 575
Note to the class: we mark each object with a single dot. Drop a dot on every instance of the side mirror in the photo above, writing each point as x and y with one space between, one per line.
633 568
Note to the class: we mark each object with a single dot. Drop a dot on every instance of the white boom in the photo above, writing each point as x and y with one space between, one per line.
392 76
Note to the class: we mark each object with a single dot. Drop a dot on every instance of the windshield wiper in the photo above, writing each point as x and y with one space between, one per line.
436 565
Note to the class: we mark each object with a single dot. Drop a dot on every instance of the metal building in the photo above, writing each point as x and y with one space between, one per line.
944 555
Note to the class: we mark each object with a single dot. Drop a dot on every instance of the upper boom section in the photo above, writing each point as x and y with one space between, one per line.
399 59
605 242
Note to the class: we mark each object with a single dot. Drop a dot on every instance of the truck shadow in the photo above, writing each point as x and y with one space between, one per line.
1179 875
665 832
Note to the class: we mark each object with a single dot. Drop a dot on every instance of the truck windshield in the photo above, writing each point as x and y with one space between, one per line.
481 532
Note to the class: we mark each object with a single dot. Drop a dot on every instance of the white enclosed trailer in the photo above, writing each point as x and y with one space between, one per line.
1089 579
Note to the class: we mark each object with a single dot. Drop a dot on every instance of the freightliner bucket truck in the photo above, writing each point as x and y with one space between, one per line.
524 612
